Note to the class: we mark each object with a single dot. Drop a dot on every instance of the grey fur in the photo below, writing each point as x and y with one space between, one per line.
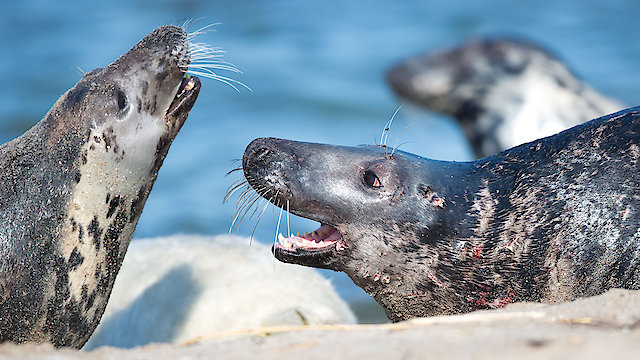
68 205
503 92
552 220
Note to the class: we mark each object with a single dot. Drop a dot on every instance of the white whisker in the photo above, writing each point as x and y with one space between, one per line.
202 30
259 216
206 58
387 128
288 228
278 227
396 146
209 74
215 66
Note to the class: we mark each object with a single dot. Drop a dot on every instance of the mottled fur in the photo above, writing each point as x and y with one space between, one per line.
503 92
73 187
552 220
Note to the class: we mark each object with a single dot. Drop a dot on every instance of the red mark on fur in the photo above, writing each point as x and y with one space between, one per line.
437 201
433 278
476 252
480 300
510 246
501 302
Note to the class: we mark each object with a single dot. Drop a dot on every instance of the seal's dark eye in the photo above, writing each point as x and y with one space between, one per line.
371 179
122 99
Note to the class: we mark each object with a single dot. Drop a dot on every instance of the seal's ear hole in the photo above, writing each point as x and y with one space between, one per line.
425 191
122 99
371 179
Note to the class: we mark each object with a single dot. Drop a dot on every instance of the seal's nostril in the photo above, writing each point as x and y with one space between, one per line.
261 153
256 152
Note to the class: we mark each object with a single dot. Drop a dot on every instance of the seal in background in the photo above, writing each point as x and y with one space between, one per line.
503 92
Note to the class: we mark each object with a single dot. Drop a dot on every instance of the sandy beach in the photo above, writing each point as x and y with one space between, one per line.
604 326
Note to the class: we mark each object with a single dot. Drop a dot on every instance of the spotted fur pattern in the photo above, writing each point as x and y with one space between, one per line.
551 220
73 187
504 92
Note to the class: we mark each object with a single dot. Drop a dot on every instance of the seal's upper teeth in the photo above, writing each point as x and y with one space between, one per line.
190 84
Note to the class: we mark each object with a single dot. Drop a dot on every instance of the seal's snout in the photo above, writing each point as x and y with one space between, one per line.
257 152
168 40
398 77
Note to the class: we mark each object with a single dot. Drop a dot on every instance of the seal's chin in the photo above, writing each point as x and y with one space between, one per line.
183 101
309 249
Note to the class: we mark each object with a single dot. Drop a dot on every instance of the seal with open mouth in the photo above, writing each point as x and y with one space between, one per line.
552 220
73 187
503 92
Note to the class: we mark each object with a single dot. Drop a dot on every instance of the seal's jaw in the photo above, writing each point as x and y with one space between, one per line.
315 249
332 185
183 101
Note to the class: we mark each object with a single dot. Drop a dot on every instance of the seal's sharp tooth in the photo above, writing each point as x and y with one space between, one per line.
298 234
281 239
306 233
190 84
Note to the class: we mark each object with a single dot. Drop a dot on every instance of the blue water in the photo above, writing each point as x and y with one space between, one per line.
316 70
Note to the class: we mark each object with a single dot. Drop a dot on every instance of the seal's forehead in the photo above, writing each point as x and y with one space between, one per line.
163 41
385 151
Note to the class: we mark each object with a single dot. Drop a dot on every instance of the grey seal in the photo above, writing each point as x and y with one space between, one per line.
73 187
551 220
502 91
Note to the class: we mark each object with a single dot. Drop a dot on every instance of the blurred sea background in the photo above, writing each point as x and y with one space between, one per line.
317 74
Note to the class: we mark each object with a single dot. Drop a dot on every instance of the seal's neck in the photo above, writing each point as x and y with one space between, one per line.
453 264
518 110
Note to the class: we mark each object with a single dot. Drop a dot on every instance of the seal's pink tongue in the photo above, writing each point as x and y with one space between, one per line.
335 236
322 233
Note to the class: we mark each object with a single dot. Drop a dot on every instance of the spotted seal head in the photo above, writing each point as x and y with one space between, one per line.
503 92
73 187
551 220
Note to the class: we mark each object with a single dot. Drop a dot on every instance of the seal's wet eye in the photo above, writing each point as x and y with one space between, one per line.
122 99
371 179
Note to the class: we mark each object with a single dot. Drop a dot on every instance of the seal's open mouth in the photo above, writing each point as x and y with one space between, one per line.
324 240
185 98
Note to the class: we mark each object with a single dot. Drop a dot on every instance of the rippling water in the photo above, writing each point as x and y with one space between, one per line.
317 74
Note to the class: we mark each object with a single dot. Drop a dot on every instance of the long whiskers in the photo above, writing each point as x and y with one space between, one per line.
207 60
250 201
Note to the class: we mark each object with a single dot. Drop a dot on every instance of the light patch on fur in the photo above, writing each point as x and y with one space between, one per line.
484 207
119 164
634 151
535 106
